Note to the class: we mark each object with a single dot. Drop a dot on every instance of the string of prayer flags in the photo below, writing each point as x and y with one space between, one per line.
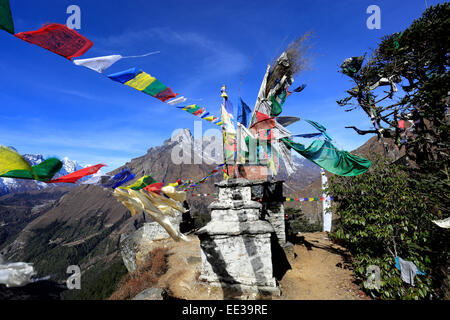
308 199
202 194
202 180
59 39
77 175
6 20
327 156
141 81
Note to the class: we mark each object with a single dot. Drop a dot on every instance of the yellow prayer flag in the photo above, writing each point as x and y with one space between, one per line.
141 81
11 160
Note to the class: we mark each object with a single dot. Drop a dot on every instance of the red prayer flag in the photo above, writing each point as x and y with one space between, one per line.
165 95
196 113
401 124
59 39
77 175
263 122
155 187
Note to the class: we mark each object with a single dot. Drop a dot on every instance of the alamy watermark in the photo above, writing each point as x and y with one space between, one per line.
373 277
208 148
74 281
74 20
374 20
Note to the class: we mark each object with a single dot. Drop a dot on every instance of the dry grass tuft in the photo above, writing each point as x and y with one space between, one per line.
145 277
297 54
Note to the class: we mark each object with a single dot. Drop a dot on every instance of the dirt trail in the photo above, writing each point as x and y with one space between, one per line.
320 270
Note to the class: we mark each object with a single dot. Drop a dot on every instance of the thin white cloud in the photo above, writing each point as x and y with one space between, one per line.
219 59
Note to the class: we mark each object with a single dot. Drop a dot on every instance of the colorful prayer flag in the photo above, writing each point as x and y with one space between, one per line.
165 95
155 187
77 175
59 39
141 81
119 179
141 183
124 76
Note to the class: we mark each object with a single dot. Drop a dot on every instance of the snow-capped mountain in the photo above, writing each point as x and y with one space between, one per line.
9 185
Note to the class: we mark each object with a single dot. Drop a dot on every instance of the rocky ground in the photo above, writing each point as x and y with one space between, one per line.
320 270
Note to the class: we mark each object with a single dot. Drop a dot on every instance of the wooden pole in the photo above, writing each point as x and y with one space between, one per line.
225 97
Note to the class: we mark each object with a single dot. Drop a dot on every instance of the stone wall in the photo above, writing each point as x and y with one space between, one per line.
135 246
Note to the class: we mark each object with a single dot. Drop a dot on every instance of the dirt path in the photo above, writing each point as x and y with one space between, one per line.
320 270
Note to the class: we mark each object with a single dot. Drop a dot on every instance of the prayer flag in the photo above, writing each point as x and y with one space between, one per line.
98 64
276 106
6 20
77 175
124 76
165 95
59 39
325 155
141 183
263 122
12 160
243 113
119 179
301 88
141 81
154 88
176 101
286 121
155 187
42 172
321 128
229 108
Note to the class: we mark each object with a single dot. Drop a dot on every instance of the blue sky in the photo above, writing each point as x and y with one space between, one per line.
52 107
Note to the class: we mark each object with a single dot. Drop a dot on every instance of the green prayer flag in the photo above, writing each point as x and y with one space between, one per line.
276 107
6 20
327 156
154 88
